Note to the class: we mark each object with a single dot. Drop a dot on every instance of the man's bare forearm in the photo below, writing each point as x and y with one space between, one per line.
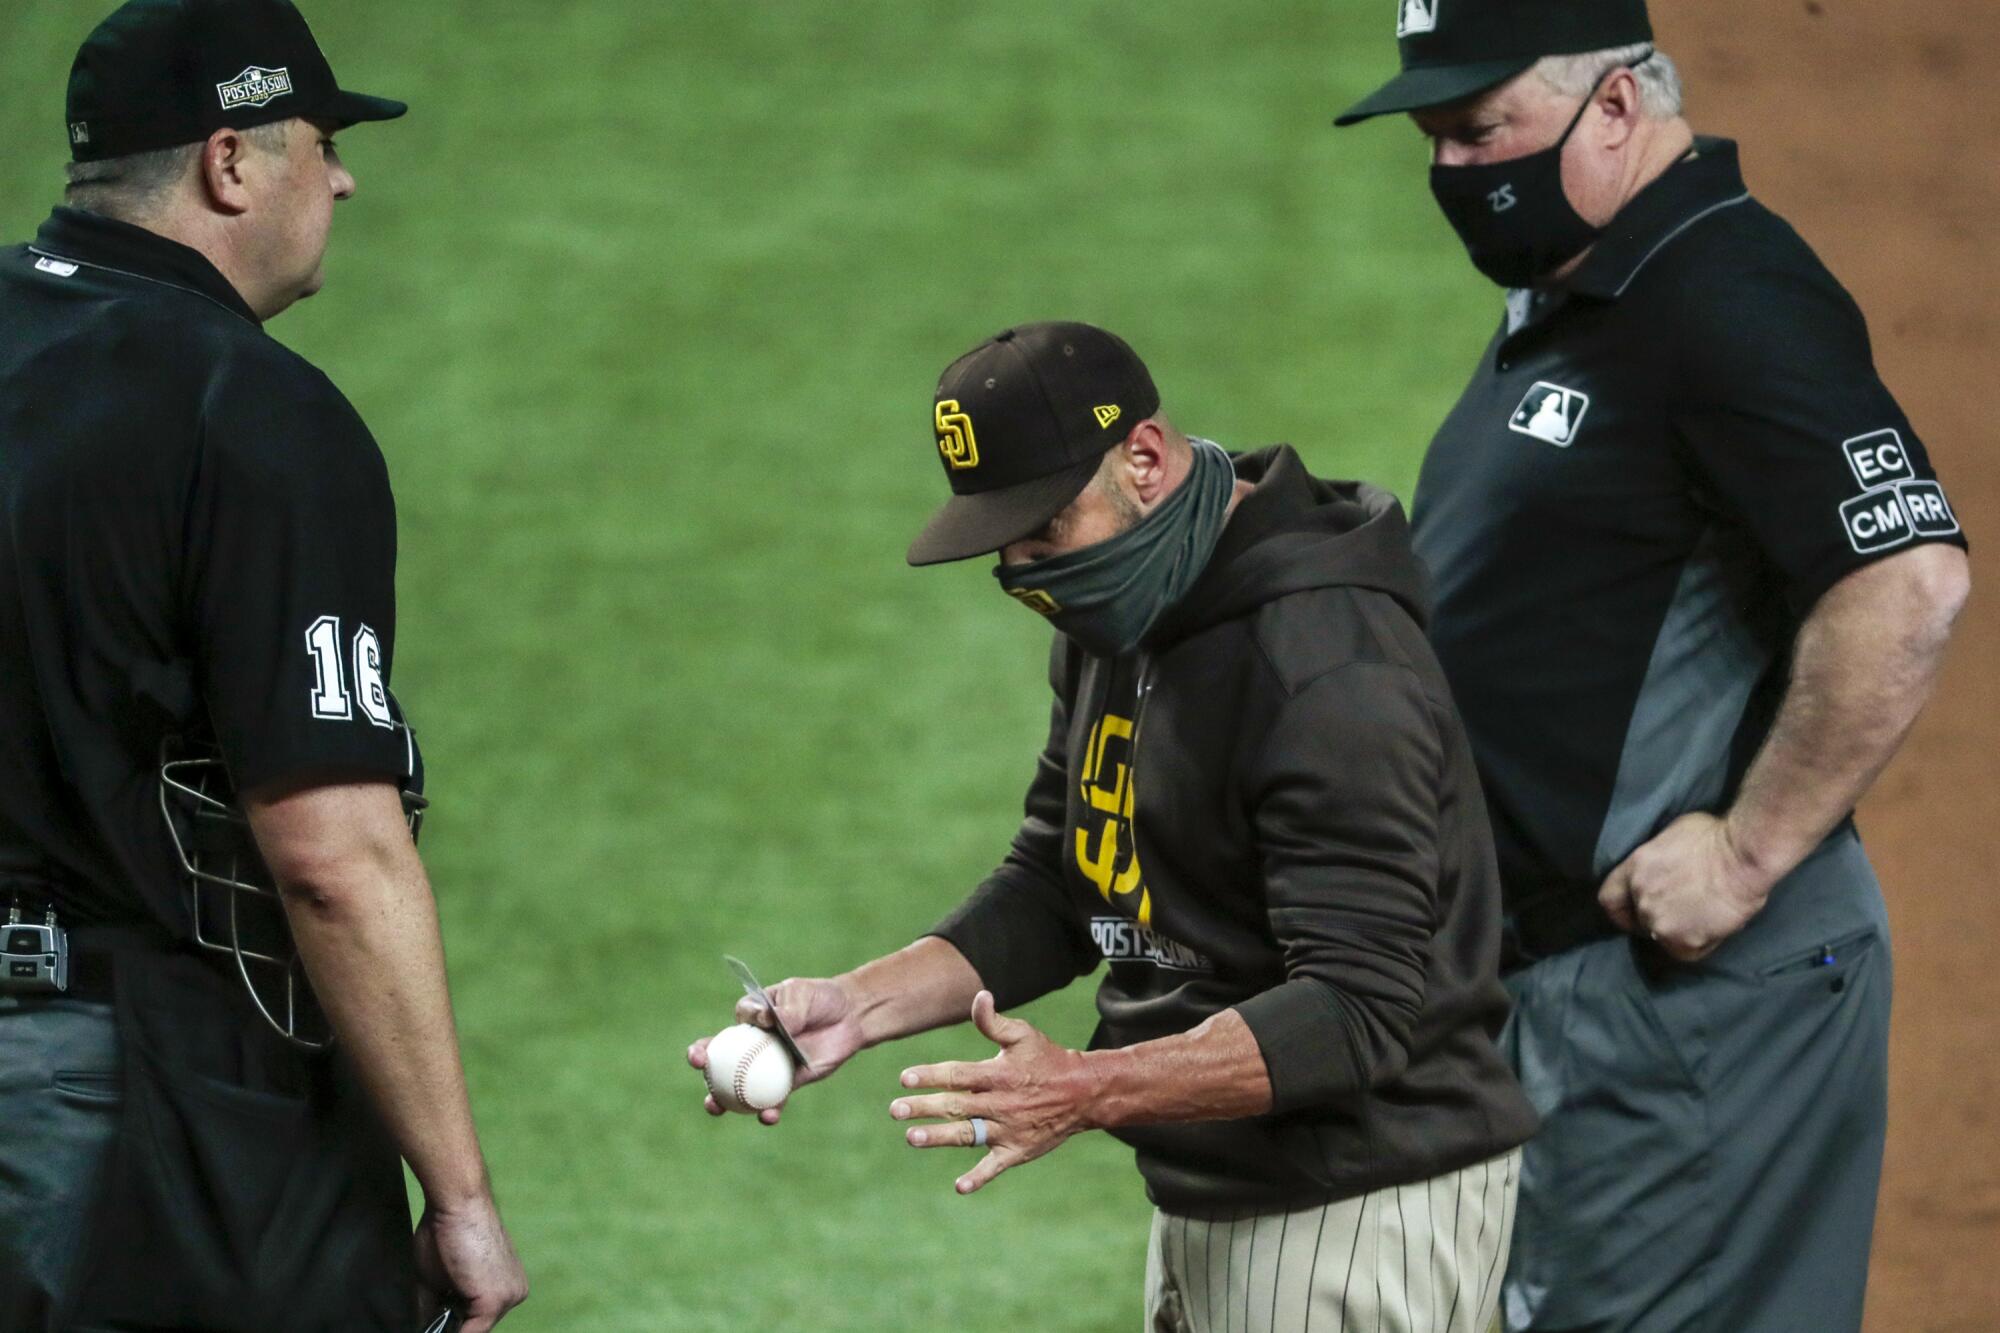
1215 1071
367 928
925 985
1863 665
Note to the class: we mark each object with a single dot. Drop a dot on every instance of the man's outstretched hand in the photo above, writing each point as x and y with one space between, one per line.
1032 1096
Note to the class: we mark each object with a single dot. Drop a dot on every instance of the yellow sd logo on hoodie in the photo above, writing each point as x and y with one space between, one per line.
1107 820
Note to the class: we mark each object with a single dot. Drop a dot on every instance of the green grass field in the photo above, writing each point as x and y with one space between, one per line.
645 302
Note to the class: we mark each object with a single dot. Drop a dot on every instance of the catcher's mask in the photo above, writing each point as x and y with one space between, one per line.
234 900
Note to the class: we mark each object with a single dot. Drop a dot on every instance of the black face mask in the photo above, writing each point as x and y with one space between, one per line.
1515 219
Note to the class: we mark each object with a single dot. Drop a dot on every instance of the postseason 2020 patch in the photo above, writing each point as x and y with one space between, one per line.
255 87
1123 940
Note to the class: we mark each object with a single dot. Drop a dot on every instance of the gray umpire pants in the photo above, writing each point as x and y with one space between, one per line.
59 1099
1419 1258
1712 1133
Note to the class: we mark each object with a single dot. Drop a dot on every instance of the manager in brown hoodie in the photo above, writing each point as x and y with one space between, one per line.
1257 807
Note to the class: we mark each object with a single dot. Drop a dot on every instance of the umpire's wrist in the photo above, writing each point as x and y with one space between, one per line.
461 1197
1764 853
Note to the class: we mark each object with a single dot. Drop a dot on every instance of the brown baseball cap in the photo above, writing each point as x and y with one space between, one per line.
1022 422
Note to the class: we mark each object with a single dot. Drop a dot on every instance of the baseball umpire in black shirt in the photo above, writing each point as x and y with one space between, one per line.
223 1016
1694 580
1258 811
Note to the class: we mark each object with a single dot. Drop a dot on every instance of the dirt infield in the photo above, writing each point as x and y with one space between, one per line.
1863 122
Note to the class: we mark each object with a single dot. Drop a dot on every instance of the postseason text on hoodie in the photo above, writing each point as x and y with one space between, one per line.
1271 806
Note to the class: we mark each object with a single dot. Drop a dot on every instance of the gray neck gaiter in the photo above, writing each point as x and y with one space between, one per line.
1107 596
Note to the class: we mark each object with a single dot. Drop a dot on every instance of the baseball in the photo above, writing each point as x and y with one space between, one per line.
749 1069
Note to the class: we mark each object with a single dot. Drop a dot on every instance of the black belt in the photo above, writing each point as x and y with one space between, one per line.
93 960
1550 924
93 974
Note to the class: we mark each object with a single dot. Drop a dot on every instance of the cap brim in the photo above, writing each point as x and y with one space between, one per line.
352 108
1437 85
981 524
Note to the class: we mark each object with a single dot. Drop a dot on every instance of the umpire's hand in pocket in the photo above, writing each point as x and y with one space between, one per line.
464 1255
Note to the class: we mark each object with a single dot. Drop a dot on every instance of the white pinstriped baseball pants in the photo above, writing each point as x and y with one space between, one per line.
1420 1258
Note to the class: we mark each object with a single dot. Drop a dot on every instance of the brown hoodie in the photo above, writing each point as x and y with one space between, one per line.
1271 806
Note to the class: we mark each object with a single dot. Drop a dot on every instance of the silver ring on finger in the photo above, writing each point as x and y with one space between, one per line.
978 1132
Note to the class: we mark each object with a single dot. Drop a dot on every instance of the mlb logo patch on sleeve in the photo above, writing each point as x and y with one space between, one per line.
1550 413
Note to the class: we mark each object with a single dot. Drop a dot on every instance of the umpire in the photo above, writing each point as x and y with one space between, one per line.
1694 579
197 550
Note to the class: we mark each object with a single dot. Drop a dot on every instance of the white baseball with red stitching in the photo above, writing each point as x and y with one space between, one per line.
749 1069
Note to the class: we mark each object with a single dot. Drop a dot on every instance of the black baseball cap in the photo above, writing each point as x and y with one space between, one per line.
1022 422
1453 49
161 73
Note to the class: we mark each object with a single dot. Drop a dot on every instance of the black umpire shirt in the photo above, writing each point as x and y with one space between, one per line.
1656 471
197 542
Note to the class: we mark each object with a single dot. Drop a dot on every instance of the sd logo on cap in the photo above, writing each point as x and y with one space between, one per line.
1049 400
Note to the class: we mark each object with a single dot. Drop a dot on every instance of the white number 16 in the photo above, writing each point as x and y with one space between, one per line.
330 699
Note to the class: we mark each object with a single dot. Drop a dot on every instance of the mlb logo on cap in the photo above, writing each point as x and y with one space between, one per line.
1487 42
1417 16
1550 413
